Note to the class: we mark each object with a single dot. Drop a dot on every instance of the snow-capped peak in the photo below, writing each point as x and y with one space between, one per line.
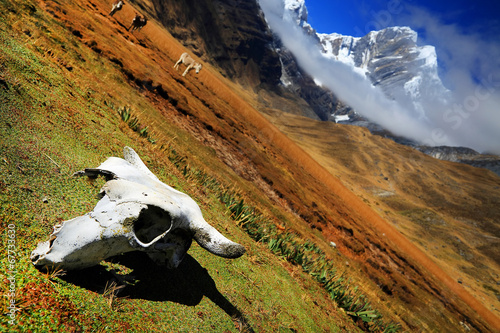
428 54
297 6
390 58
298 10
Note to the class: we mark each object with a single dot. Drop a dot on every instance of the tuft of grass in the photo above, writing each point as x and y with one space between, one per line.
110 293
55 272
125 114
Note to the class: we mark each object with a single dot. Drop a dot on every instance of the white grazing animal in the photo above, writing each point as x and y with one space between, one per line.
117 5
189 62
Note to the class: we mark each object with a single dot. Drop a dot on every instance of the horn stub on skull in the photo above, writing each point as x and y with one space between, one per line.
213 241
234 251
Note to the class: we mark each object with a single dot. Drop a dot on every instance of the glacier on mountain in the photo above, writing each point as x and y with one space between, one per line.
296 10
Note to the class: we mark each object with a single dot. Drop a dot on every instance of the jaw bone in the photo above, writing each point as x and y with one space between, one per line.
136 212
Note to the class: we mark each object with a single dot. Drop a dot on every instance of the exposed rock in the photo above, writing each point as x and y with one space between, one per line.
392 60
322 101
231 34
464 155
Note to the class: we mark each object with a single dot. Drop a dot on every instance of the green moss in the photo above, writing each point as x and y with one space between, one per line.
54 123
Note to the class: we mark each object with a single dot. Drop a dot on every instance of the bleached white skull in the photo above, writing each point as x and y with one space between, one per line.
136 212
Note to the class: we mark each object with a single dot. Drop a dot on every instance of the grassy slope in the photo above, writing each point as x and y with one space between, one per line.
448 209
54 122
64 76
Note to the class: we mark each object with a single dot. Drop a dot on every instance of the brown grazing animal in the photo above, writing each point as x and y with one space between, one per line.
138 22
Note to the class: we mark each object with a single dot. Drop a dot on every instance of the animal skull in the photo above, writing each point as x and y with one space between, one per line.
136 212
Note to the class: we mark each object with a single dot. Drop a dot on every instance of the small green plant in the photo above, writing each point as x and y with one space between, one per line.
125 113
133 122
144 132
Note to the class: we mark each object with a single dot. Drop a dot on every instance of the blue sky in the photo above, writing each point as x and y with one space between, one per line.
358 17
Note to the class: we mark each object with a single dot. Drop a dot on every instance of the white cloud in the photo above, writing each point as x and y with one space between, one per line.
472 119
353 88
471 70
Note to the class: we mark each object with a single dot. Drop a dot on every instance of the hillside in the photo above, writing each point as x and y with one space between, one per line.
447 209
68 69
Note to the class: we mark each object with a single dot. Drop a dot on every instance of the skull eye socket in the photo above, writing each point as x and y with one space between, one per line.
151 223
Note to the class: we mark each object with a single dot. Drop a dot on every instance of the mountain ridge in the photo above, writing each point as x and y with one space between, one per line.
390 58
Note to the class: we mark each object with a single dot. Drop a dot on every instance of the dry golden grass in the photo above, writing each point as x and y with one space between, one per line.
330 186
448 210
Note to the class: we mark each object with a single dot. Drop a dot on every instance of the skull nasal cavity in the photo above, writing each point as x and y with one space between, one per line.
152 221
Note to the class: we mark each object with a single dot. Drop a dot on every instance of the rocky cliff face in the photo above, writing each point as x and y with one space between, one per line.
389 58
231 34
392 60
234 36
464 155
322 101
